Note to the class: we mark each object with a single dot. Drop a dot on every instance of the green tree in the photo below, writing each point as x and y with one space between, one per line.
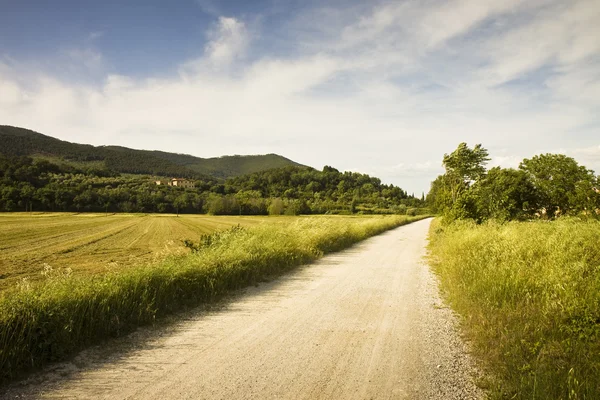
276 207
180 202
27 194
468 164
463 167
450 192
560 181
246 200
439 198
504 194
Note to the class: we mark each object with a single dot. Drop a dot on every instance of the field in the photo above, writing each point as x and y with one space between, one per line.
97 243
529 295
49 319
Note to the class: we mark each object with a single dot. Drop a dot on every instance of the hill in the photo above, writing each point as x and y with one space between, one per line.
28 184
24 142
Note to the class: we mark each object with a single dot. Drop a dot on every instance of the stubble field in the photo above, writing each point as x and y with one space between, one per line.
53 318
97 243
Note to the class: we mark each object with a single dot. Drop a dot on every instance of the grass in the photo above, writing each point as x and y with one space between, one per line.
47 321
96 243
529 295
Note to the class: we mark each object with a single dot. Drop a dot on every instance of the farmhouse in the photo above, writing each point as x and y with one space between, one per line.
179 182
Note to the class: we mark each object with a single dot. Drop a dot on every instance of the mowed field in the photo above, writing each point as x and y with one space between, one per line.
96 243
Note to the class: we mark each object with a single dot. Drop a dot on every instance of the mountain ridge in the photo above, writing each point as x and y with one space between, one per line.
17 141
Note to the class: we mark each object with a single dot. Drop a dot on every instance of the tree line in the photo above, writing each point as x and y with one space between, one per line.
546 185
28 184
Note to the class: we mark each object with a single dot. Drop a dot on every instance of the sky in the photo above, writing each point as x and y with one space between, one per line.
378 87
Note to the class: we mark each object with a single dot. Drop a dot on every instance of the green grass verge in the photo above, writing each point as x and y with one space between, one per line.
529 295
51 320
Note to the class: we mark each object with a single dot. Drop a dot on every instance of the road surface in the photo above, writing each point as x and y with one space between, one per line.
366 323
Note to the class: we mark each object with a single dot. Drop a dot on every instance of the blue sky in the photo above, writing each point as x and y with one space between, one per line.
382 87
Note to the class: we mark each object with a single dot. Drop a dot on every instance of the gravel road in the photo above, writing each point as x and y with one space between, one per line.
366 323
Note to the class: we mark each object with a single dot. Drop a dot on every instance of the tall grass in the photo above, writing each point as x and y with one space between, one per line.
529 293
46 322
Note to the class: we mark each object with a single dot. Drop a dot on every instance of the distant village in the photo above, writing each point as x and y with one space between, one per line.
179 182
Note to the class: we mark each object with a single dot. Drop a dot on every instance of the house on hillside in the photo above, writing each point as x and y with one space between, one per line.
180 182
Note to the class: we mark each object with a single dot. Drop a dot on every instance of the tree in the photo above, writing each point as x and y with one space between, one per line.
504 194
276 207
439 198
559 181
27 194
450 192
466 164
180 202
551 183
246 199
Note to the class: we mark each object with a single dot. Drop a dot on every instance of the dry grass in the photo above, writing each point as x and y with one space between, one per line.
97 243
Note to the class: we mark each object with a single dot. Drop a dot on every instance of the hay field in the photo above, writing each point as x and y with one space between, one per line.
96 243
48 321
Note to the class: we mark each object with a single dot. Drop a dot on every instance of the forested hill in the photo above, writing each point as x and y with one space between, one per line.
307 183
40 185
227 166
16 141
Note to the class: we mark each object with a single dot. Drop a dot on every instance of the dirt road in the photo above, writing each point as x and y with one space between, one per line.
366 323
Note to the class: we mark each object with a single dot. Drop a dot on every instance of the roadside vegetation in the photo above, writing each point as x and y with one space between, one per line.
545 186
518 256
46 321
529 297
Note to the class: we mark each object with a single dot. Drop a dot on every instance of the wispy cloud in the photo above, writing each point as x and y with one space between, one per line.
95 35
210 7
87 58
560 34
228 42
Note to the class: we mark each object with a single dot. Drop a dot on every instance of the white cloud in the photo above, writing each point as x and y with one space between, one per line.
510 161
420 169
228 42
563 33
385 91
10 94
442 22
273 77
